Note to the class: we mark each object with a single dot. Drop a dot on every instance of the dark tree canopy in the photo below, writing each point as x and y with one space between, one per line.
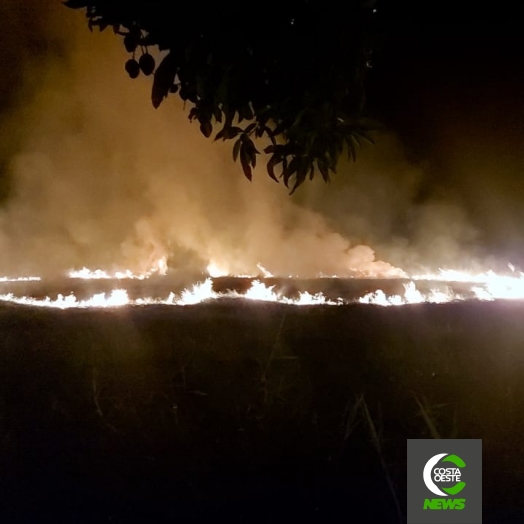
291 72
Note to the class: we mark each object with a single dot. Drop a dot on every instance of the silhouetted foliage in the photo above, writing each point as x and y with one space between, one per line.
291 72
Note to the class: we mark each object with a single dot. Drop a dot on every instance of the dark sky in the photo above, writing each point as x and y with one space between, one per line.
430 73
453 91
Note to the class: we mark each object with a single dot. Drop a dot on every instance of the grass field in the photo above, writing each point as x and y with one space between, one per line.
251 412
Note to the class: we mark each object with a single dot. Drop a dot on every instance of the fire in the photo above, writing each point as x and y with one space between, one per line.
20 279
259 291
98 274
445 286
216 270
160 268
118 297
197 294
483 286
411 296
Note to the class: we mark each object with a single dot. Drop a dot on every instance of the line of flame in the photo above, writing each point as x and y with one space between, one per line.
160 268
484 286
20 279
197 294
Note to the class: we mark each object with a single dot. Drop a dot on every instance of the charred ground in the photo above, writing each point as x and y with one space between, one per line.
251 412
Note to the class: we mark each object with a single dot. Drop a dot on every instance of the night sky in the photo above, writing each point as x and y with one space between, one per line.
453 94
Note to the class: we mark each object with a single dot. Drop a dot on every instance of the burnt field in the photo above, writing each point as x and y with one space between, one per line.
251 412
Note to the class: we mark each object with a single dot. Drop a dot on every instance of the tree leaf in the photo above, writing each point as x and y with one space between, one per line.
220 134
284 166
273 161
253 156
217 113
244 160
250 128
232 132
291 169
236 149
352 154
301 174
269 133
365 136
249 144
193 113
163 80
279 129
206 128
245 113
324 171
229 117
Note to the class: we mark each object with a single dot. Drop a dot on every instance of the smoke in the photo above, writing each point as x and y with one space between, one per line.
99 178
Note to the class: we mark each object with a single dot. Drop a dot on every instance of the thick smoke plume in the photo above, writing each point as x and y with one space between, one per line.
98 178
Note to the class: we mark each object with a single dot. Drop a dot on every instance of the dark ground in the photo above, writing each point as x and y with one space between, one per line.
245 412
